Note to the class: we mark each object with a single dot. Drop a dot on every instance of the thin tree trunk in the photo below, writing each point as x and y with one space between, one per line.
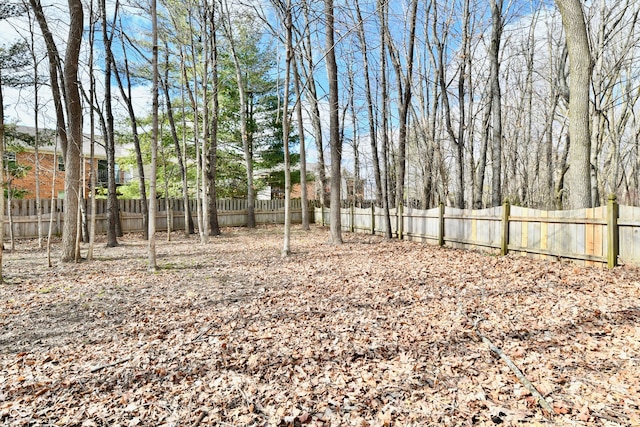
303 149
334 131
382 11
128 100
496 103
372 121
204 156
478 190
214 226
152 264
94 169
189 225
176 142
286 246
315 110
2 203
244 131
36 116
404 94
112 197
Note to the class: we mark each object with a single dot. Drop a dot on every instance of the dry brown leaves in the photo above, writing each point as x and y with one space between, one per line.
369 333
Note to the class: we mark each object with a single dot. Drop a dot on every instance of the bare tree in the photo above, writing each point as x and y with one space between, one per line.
109 137
579 173
152 264
382 13
496 103
334 128
404 95
74 145
92 90
303 150
370 106
214 226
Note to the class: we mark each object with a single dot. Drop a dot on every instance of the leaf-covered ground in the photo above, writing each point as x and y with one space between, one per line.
369 333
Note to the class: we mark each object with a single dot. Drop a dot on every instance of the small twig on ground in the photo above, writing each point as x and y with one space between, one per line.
524 380
610 418
117 362
204 331
256 405
203 414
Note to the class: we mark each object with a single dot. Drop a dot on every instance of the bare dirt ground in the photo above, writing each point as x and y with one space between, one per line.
369 333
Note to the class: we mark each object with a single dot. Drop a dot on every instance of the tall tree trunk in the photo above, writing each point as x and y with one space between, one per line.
335 142
176 142
303 148
579 173
457 138
355 143
404 94
2 201
496 103
92 125
382 11
36 116
189 225
128 100
307 66
244 130
214 226
152 264
112 197
286 245
372 121
478 183
204 156
74 144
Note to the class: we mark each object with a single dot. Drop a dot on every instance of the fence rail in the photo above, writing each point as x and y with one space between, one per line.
231 213
603 235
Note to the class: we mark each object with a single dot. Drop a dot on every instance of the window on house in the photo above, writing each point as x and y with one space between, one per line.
60 163
103 176
9 159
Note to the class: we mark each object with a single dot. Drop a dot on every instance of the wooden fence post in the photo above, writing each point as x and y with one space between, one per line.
373 219
504 237
441 225
400 221
612 232
352 218
322 207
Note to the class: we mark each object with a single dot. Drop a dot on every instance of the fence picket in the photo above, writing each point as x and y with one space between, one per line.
603 235
231 212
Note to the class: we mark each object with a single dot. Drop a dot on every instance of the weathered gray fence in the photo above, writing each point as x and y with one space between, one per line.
603 235
231 213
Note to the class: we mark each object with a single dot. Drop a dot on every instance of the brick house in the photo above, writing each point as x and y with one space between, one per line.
20 155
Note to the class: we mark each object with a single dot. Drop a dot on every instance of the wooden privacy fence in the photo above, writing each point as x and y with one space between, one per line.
231 213
603 235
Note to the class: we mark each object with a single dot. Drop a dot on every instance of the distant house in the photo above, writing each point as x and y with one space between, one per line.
20 158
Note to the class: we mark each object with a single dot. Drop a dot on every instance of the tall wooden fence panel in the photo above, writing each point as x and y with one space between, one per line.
231 213
603 235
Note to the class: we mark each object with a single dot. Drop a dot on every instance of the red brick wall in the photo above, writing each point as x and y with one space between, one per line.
311 191
48 162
